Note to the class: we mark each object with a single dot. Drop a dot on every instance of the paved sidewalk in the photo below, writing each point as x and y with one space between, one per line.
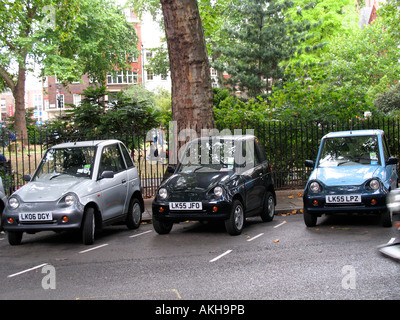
288 202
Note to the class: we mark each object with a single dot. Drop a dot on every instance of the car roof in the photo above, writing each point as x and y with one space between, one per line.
91 143
349 133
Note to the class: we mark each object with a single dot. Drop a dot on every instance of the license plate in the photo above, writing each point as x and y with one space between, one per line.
354 198
185 206
35 216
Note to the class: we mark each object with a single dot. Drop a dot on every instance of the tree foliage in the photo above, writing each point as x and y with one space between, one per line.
65 38
257 41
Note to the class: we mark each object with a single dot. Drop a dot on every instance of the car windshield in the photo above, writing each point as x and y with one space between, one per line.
217 155
66 163
350 151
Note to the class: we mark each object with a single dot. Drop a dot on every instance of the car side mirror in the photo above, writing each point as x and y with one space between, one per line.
170 169
392 160
27 177
310 163
107 174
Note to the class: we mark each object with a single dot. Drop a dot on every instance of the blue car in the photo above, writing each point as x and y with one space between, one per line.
353 174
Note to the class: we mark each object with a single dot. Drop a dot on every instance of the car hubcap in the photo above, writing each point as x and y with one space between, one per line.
238 217
271 207
136 213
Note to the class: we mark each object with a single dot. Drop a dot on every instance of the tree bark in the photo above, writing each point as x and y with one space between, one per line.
19 115
192 95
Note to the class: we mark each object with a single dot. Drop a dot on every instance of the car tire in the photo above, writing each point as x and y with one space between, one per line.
234 225
162 227
134 217
387 218
14 237
88 227
310 219
268 210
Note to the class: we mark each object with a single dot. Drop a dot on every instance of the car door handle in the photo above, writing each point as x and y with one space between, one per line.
123 181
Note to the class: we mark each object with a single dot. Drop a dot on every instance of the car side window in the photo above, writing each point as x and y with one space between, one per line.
386 151
111 159
127 157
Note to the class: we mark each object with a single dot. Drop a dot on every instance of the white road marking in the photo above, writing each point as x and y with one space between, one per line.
279 225
391 241
27 270
255 237
94 248
139 234
221 255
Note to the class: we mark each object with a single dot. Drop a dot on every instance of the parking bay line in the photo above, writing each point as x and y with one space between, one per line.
94 248
255 237
279 225
27 270
139 234
221 255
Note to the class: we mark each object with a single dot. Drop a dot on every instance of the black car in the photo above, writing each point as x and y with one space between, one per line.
224 178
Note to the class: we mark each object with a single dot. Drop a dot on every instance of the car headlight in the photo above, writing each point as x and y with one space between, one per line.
70 200
374 184
163 193
218 191
13 202
315 187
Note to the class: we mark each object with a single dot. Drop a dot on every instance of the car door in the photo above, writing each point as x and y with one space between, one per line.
113 190
391 172
255 187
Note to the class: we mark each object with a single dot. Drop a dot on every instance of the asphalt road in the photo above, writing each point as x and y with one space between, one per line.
281 259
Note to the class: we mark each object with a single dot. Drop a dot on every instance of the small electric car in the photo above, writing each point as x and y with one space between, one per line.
3 201
353 173
218 178
77 186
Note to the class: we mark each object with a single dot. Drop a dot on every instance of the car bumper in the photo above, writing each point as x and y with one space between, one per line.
218 210
370 204
56 224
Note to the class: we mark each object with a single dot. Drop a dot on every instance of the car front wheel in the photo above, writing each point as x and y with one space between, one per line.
234 225
14 237
88 227
162 227
310 219
387 218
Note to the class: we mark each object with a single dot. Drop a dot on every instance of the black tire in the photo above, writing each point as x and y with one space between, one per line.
134 217
268 210
14 237
387 218
310 219
88 227
162 227
234 225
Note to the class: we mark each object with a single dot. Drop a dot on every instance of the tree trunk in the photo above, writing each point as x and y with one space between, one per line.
192 95
19 115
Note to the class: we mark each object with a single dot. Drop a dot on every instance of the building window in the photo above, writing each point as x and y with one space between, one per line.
128 77
77 99
150 74
60 101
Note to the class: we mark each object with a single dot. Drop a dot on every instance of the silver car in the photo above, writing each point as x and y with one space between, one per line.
77 186
3 201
